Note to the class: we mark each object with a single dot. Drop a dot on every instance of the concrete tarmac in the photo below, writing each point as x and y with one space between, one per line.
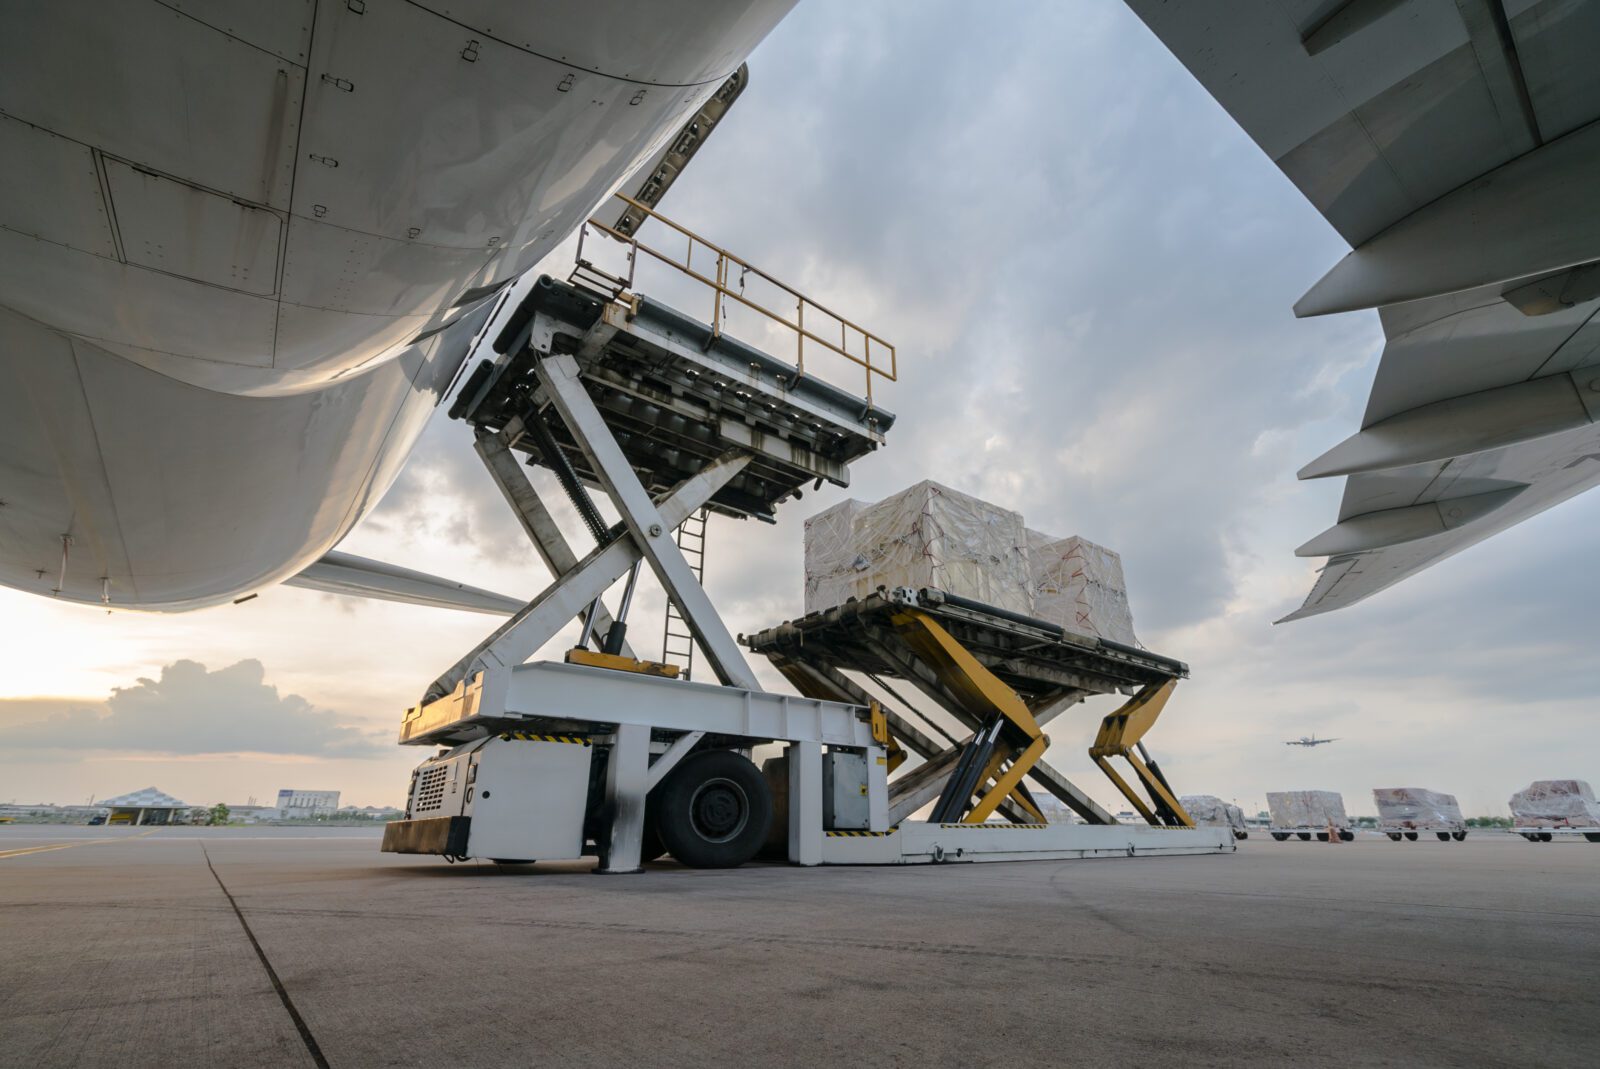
121 947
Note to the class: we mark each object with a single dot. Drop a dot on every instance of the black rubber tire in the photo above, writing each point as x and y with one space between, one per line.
1279 836
1322 836
1411 836
1546 837
1591 836
713 810
1305 836
1459 836
1444 836
1347 836
1241 834
1529 837
1394 835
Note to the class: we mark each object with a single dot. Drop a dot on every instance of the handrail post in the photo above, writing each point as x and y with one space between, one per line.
718 281
716 301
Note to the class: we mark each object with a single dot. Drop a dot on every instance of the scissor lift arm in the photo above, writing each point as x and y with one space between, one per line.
977 665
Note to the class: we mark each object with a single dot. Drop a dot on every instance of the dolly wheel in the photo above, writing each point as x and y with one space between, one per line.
1346 835
1411 836
1459 836
1279 836
1444 836
1394 835
713 810
1305 836
1322 836
1545 837
1591 836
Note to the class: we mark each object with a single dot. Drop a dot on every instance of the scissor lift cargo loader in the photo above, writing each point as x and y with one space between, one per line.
1002 677
603 753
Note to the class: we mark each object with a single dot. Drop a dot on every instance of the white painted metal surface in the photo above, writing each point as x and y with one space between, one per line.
231 235
528 799
576 692
1456 147
921 842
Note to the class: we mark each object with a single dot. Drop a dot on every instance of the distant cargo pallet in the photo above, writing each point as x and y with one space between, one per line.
1412 832
1535 833
1307 834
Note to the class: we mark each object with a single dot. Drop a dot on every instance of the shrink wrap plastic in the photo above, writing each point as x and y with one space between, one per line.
1556 803
1413 805
933 536
831 556
1078 585
1211 811
1306 809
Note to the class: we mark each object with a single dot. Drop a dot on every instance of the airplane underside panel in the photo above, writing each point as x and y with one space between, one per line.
172 497
243 247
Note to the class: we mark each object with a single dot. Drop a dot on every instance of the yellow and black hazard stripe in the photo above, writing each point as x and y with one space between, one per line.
528 736
862 834
997 827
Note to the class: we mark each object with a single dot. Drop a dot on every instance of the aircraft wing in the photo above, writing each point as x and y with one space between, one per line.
345 573
1456 148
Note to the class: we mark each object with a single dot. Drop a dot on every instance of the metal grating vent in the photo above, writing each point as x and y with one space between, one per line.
430 789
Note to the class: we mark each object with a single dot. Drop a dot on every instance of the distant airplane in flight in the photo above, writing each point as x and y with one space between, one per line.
1308 740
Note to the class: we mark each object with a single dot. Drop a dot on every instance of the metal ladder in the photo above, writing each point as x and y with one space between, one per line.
677 643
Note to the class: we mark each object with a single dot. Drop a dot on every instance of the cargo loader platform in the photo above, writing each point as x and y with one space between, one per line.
607 754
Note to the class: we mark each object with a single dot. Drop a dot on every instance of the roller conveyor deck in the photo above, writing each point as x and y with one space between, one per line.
1033 657
675 396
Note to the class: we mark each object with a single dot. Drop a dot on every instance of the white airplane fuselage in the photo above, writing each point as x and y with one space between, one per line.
244 247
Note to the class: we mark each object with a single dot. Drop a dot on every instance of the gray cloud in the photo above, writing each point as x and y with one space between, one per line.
190 710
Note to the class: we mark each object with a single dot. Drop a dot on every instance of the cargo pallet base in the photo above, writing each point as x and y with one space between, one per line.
1536 834
1412 832
1307 834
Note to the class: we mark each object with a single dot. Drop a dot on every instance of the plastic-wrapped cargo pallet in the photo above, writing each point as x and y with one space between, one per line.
1212 811
1556 803
1306 809
1416 807
831 556
932 536
1079 586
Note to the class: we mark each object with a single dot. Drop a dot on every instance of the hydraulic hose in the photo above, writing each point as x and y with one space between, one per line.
576 492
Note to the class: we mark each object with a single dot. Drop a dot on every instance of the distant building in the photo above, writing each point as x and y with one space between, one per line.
148 806
303 805
370 812
251 814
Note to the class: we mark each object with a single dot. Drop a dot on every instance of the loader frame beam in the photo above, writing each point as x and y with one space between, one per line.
1121 735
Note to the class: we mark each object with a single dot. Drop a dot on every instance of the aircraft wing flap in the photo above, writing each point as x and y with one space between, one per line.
347 574
1522 481
1456 146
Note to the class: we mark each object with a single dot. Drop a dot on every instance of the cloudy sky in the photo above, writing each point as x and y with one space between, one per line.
1087 270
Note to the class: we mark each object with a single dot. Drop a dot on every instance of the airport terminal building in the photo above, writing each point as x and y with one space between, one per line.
305 805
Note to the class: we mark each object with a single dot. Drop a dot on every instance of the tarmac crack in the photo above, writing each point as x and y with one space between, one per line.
310 1041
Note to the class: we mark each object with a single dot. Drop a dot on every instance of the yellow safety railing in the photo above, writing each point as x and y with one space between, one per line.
727 265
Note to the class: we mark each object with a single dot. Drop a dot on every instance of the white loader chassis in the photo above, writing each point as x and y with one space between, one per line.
525 798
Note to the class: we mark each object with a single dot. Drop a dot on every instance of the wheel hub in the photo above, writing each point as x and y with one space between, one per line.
719 810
